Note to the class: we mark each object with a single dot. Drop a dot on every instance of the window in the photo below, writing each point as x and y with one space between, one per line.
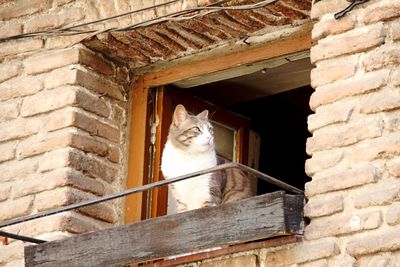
269 85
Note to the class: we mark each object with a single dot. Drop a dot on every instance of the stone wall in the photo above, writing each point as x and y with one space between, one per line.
63 121
63 118
353 198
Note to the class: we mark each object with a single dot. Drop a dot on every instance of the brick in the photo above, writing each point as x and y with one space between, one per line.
383 147
54 19
97 127
20 206
343 260
382 259
93 103
119 115
62 76
331 26
323 205
384 193
61 2
246 260
393 214
383 56
380 11
22 8
96 62
295 254
100 85
59 119
66 196
114 154
384 241
9 110
334 70
12 252
320 8
89 144
71 222
93 166
5 191
10 29
17 263
340 180
51 60
122 76
13 170
351 42
336 112
56 42
318 263
37 183
395 77
9 70
7 151
343 225
20 86
48 100
344 135
350 87
18 128
322 160
392 121
54 159
43 142
393 167
384 100
19 47
394 30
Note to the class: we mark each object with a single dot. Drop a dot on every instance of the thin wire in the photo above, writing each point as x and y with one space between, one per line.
22 237
150 186
175 16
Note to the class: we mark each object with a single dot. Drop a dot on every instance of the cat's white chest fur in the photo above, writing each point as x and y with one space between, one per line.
192 192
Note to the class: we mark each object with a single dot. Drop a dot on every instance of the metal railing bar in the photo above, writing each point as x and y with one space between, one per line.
22 237
270 179
150 186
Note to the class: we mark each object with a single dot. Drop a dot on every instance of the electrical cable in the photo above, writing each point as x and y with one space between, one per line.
175 16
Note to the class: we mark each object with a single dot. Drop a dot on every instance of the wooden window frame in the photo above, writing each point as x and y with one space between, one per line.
140 93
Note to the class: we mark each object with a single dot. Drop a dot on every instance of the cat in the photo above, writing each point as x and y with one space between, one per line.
190 147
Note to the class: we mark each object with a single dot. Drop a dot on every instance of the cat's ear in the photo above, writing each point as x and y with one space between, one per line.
180 115
203 115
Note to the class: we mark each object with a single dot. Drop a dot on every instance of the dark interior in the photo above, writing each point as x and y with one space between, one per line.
281 121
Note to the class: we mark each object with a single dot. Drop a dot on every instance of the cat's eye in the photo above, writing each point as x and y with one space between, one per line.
196 129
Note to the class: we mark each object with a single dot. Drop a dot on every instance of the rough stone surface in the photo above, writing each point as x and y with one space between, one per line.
248 260
324 205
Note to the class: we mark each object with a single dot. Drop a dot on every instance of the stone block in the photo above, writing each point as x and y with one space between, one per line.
351 42
9 70
343 225
387 55
358 175
20 86
380 11
333 92
295 254
18 128
9 110
22 8
246 260
323 205
387 240
334 70
15 208
336 112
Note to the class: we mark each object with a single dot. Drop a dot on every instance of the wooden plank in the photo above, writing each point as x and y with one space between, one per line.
251 55
137 151
254 218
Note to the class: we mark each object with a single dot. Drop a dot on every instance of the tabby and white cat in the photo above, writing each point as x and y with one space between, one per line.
189 148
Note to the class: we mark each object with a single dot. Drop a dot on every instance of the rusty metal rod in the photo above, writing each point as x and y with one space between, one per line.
150 186
22 237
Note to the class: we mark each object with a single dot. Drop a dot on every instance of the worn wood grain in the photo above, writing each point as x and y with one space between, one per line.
255 218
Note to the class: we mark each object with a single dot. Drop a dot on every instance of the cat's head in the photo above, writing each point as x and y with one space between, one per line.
192 133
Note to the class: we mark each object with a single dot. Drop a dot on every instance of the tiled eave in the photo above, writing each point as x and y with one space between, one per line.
175 39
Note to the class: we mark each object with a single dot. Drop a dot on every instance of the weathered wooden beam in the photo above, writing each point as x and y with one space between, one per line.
254 218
